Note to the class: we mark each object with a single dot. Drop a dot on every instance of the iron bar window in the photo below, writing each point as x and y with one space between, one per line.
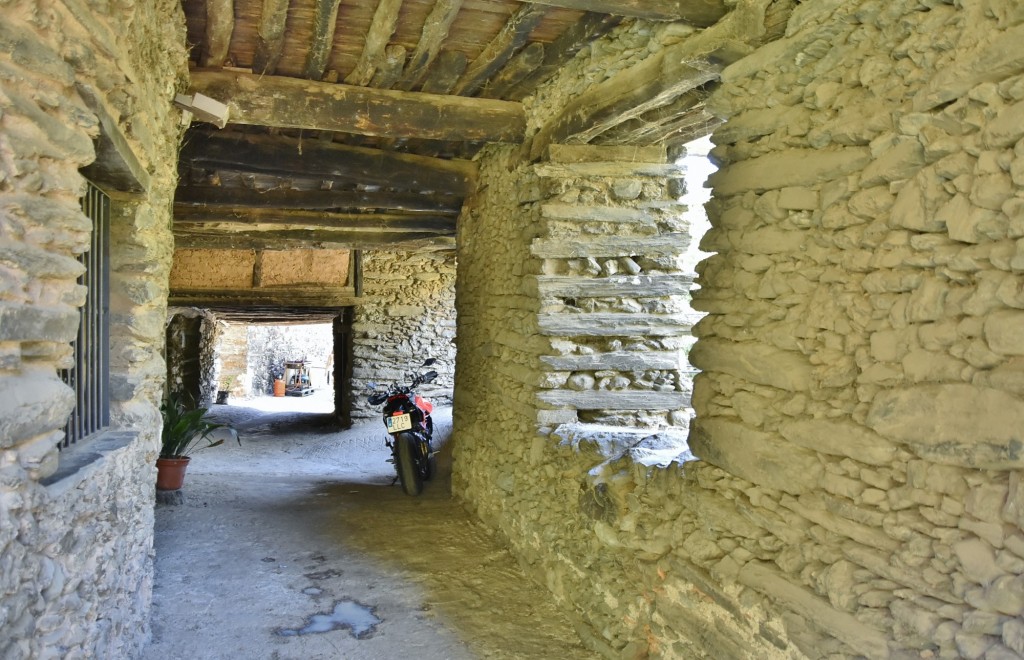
90 376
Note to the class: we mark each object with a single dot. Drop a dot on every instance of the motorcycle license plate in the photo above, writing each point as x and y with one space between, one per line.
399 423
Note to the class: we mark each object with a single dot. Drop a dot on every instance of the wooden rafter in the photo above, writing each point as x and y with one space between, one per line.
295 103
435 30
385 19
518 68
191 219
702 13
220 23
495 54
270 36
325 19
390 68
446 71
280 156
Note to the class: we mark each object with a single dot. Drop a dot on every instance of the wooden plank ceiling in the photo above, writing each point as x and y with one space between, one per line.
353 122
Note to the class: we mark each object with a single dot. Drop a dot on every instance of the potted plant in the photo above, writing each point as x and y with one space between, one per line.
184 431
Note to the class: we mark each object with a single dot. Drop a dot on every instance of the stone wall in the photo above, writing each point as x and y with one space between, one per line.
76 532
408 315
232 355
858 416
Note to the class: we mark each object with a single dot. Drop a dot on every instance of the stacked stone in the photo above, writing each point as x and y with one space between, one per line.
408 316
76 570
232 351
862 387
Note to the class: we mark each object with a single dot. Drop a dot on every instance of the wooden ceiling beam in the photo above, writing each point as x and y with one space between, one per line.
284 157
220 23
385 20
435 31
517 69
702 13
225 196
306 240
295 103
390 68
325 19
495 54
270 36
192 219
590 26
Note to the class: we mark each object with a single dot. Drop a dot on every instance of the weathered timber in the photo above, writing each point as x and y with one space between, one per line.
435 30
569 170
615 399
305 240
390 68
193 219
287 296
585 153
655 125
597 214
282 198
589 27
495 54
631 286
702 13
520 66
616 361
385 19
447 69
666 245
281 156
220 23
295 103
325 19
611 324
270 36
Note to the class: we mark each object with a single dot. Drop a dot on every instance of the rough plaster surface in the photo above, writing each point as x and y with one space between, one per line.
76 574
859 488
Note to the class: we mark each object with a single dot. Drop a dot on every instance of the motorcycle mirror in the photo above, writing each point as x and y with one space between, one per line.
429 361
378 398
429 376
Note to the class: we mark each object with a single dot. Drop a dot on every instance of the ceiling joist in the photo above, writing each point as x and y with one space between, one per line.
702 13
286 198
270 36
220 24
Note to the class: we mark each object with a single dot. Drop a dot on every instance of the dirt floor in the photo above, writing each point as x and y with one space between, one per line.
296 545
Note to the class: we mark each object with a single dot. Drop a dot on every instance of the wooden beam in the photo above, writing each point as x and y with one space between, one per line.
285 198
615 399
665 245
435 31
304 240
518 68
191 219
447 69
590 26
295 103
655 125
325 18
286 296
702 13
220 23
495 54
385 19
390 68
281 156
270 36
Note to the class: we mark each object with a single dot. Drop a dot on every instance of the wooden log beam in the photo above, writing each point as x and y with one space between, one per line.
702 13
325 18
435 31
286 198
191 219
303 240
495 54
590 26
281 156
615 399
293 103
286 296
390 68
270 36
385 19
518 68
220 23
447 69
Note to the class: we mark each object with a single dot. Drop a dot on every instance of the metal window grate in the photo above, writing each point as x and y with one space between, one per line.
91 374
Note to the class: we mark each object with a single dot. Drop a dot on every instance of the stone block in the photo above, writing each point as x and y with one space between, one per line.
1006 128
1004 332
756 362
901 161
840 438
762 458
794 167
36 401
953 424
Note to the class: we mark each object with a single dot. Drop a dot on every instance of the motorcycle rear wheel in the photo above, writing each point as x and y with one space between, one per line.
406 454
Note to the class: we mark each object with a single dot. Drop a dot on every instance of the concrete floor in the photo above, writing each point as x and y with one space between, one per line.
300 529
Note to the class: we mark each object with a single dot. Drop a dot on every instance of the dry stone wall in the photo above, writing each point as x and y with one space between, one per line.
407 315
858 492
76 531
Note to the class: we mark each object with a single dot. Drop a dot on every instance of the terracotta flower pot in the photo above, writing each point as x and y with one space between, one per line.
170 473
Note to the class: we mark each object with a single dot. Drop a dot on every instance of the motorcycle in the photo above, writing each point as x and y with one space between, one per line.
410 430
